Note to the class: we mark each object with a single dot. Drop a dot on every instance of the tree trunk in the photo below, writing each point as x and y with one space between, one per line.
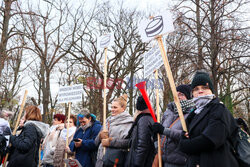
5 35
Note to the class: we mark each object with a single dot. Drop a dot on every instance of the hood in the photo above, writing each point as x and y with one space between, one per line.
122 118
42 128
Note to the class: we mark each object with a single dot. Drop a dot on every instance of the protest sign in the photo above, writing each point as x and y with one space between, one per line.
105 41
152 61
70 93
157 25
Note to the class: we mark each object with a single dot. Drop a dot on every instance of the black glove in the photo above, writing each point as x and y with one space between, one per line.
157 128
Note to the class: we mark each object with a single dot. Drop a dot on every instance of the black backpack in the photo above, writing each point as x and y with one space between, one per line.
242 149
240 145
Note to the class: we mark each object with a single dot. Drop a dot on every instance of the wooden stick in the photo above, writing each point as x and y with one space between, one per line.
171 81
104 93
67 137
39 162
104 89
158 117
17 122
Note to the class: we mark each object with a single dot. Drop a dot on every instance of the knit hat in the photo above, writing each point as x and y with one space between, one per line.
202 78
141 104
185 89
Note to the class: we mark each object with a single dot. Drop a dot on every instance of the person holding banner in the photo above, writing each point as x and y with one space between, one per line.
210 126
141 138
83 143
118 125
59 151
172 130
50 141
25 146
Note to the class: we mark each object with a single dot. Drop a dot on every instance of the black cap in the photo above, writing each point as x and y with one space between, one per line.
185 89
202 78
141 104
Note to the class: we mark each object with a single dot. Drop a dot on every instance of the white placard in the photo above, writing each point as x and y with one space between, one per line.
158 25
105 41
72 163
152 60
70 93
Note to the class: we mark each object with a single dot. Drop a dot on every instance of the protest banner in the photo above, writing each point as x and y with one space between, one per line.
158 25
155 28
68 94
103 42
152 61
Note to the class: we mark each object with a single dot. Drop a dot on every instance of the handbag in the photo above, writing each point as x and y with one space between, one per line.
114 157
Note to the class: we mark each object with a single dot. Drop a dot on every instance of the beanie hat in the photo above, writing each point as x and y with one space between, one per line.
185 89
141 104
202 78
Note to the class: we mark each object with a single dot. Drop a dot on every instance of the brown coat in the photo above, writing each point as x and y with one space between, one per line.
59 153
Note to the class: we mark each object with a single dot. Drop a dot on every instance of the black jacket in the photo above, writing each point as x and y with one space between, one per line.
25 147
209 133
142 150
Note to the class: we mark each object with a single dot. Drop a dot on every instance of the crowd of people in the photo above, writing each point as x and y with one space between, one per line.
130 141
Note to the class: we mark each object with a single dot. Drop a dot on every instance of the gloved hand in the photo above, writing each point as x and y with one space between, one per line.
104 134
157 128
106 142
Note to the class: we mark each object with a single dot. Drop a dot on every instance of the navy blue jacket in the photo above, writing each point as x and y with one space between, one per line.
83 153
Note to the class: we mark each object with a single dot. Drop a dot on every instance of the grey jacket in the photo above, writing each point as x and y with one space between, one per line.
118 127
171 154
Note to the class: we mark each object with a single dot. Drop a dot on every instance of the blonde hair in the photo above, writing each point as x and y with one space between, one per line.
33 113
122 100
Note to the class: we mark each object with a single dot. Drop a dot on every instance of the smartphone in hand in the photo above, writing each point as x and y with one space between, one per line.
76 140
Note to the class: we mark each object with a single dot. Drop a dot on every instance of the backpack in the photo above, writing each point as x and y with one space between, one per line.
242 149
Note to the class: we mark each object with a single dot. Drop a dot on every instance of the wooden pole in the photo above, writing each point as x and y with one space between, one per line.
171 81
158 116
17 122
67 136
104 89
104 93
39 162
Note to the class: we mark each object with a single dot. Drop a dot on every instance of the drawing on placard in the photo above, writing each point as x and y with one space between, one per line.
154 27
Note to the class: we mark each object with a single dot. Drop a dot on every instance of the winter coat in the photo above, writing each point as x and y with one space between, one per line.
118 127
171 153
216 125
142 150
59 152
26 146
83 153
50 144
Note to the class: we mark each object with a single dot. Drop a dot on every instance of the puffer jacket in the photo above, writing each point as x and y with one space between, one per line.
25 147
118 127
142 149
171 153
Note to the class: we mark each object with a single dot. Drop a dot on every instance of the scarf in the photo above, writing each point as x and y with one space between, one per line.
185 105
71 132
201 101
84 127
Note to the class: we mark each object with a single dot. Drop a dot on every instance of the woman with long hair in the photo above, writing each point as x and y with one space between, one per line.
25 146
